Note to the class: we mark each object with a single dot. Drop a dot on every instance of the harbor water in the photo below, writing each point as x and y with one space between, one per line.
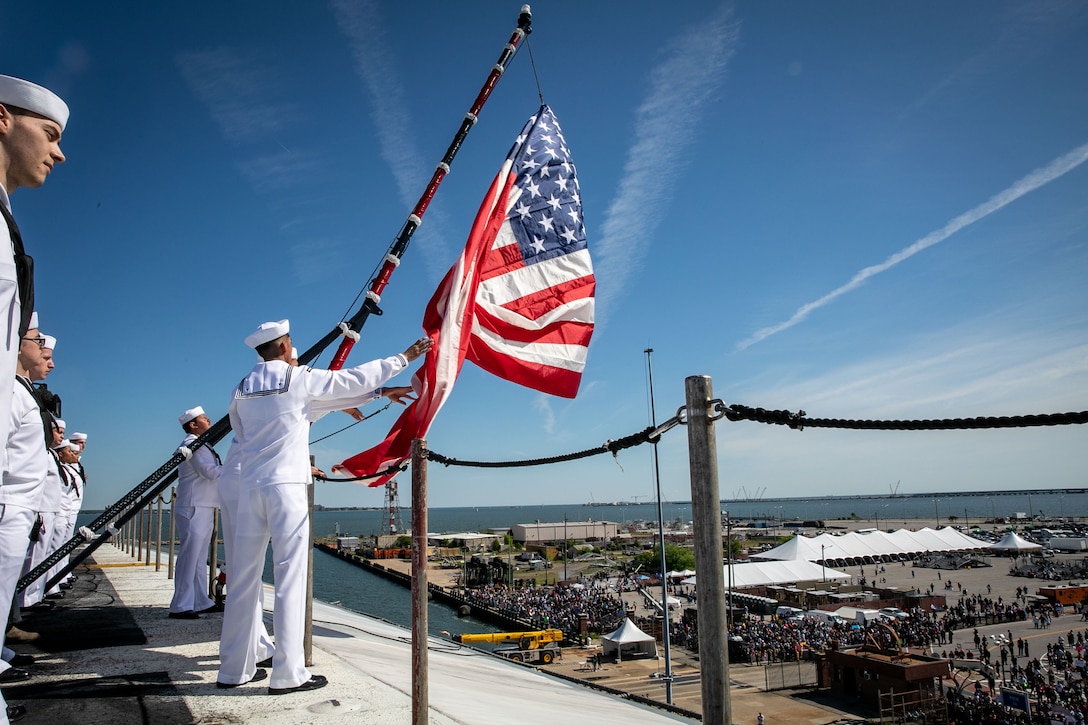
339 582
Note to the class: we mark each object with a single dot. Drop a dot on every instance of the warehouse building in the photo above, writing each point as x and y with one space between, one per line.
539 533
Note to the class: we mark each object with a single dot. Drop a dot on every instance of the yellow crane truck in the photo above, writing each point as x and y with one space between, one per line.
539 647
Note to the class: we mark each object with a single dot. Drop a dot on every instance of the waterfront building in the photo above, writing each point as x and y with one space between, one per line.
542 533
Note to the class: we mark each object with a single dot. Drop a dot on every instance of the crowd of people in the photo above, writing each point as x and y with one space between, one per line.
1054 679
1049 569
1054 682
558 607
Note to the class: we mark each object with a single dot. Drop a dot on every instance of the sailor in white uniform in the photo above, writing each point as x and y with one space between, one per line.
194 512
270 414
70 503
32 119
41 544
24 473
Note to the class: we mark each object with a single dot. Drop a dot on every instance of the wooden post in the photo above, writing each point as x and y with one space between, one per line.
706 519
420 705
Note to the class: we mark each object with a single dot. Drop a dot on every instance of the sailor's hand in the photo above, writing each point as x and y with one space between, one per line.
419 347
402 395
185 451
355 413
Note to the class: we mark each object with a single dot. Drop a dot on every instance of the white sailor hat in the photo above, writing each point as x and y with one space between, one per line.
191 414
65 444
33 321
32 97
77 436
60 423
268 332
50 342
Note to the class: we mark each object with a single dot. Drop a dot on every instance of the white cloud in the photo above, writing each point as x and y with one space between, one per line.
544 407
977 369
665 125
312 259
360 22
235 85
278 172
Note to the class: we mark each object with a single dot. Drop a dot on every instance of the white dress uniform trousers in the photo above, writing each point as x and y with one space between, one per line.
65 527
229 481
40 550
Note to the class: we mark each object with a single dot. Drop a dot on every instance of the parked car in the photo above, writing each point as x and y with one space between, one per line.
893 613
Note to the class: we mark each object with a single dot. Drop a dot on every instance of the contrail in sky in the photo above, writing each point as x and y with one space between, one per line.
361 23
680 88
1040 177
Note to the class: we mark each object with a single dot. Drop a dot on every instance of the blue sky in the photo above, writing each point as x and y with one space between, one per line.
862 210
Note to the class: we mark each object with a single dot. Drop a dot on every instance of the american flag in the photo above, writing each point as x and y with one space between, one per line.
518 302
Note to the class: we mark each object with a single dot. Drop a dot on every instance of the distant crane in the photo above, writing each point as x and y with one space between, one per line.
894 491
753 497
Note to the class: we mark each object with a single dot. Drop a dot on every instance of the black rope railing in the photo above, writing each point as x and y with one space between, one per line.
799 421
610 446
735 413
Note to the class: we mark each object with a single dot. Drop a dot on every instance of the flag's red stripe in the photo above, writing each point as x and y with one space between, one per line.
545 378
565 332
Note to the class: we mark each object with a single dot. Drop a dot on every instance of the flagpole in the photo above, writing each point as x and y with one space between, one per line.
350 329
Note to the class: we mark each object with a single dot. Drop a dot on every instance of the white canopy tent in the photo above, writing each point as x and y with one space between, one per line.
1012 543
764 573
857 547
628 639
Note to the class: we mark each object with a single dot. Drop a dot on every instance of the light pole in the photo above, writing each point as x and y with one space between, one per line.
936 514
566 549
729 558
660 537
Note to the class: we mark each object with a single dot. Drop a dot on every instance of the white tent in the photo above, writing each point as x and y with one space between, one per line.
628 639
1011 543
762 573
797 548
855 547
